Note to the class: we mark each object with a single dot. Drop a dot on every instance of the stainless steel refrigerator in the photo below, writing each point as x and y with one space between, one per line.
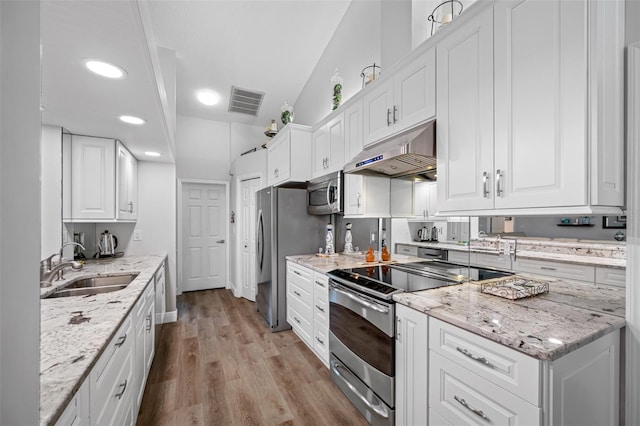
284 229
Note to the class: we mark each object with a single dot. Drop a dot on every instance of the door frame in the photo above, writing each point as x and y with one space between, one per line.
181 183
237 289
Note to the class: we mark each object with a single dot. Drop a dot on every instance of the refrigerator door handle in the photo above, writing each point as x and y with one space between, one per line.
260 239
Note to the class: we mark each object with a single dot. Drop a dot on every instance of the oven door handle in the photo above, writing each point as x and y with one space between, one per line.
378 409
363 302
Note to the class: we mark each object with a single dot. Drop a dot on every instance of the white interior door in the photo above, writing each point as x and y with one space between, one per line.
247 219
204 254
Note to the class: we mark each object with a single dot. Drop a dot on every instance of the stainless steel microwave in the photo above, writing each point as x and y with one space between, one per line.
325 195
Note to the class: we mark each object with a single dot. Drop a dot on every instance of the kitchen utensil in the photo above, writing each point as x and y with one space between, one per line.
424 234
107 244
434 233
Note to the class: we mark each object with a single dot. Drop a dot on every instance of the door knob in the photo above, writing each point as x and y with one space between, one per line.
220 241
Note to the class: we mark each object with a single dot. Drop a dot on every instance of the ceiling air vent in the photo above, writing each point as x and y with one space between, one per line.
245 101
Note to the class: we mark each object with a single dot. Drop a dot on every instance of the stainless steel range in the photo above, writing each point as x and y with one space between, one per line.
362 327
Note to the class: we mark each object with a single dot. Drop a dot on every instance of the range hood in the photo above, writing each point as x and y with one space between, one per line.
410 152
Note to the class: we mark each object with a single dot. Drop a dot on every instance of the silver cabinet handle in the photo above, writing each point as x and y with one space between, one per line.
548 268
395 111
319 308
296 293
320 340
398 324
220 241
481 360
363 302
124 388
148 323
359 196
296 319
499 189
485 186
388 117
320 283
121 341
475 411
378 409
297 273
130 206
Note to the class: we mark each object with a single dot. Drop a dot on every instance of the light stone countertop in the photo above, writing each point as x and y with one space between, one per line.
545 327
345 261
75 330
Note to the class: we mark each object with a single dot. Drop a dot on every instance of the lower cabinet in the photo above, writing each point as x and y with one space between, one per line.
473 380
411 366
77 412
144 328
308 308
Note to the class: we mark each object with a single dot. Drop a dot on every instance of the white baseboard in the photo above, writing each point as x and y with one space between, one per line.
170 316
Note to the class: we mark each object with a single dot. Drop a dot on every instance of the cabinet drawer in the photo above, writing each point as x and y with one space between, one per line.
611 276
321 342
460 397
556 269
77 412
117 348
507 368
321 283
321 309
406 249
493 261
461 257
303 296
299 275
300 323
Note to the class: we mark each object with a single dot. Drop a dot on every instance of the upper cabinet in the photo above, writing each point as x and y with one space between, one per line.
366 196
524 116
288 155
328 147
353 130
102 181
402 101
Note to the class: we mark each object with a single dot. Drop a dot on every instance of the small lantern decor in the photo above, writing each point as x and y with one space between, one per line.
287 113
369 74
444 13
272 129
336 83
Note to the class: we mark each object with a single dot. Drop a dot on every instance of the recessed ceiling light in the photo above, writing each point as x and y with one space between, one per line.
208 97
130 119
105 69
152 154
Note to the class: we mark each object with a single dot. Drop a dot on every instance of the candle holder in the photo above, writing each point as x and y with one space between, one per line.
444 13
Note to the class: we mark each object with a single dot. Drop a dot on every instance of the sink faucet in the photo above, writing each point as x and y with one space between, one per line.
48 271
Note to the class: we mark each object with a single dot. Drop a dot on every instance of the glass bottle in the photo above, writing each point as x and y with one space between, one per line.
370 257
385 255
336 84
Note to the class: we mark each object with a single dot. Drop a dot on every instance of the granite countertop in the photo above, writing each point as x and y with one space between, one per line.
75 330
345 261
545 327
605 254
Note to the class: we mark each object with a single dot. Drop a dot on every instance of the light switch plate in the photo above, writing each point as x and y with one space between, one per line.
137 235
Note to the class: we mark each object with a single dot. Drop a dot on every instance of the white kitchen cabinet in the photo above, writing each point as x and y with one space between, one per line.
402 101
407 249
425 201
412 373
328 147
103 181
92 177
289 155
461 257
558 97
160 296
568 271
143 348
353 130
77 412
367 196
321 316
401 198
611 276
127 184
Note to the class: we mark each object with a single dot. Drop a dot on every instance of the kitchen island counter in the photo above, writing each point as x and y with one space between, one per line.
324 264
75 330
546 327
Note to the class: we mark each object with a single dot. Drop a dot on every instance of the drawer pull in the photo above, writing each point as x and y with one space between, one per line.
320 283
319 308
297 273
296 293
548 268
474 357
320 341
148 323
121 341
124 388
475 411
297 320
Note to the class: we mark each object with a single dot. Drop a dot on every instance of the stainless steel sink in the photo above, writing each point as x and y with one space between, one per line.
96 285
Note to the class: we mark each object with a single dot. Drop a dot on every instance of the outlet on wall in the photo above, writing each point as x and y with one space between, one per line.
137 235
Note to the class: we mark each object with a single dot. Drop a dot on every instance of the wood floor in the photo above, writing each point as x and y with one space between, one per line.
219 365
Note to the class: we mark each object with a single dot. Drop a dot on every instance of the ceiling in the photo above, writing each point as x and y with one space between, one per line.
263 45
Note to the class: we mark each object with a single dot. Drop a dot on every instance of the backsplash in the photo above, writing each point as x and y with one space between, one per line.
605 249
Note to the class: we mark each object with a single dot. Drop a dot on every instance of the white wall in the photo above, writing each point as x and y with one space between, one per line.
354 45
51 190
20 134
395 35
167 59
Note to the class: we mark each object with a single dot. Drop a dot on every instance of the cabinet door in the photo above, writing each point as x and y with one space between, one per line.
401 198
414 92
420 199
432 199
127 184
377 107
92 178
335 144
411 367
278 159
540 104
353 191
377 196
319 151
464 127
353 130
